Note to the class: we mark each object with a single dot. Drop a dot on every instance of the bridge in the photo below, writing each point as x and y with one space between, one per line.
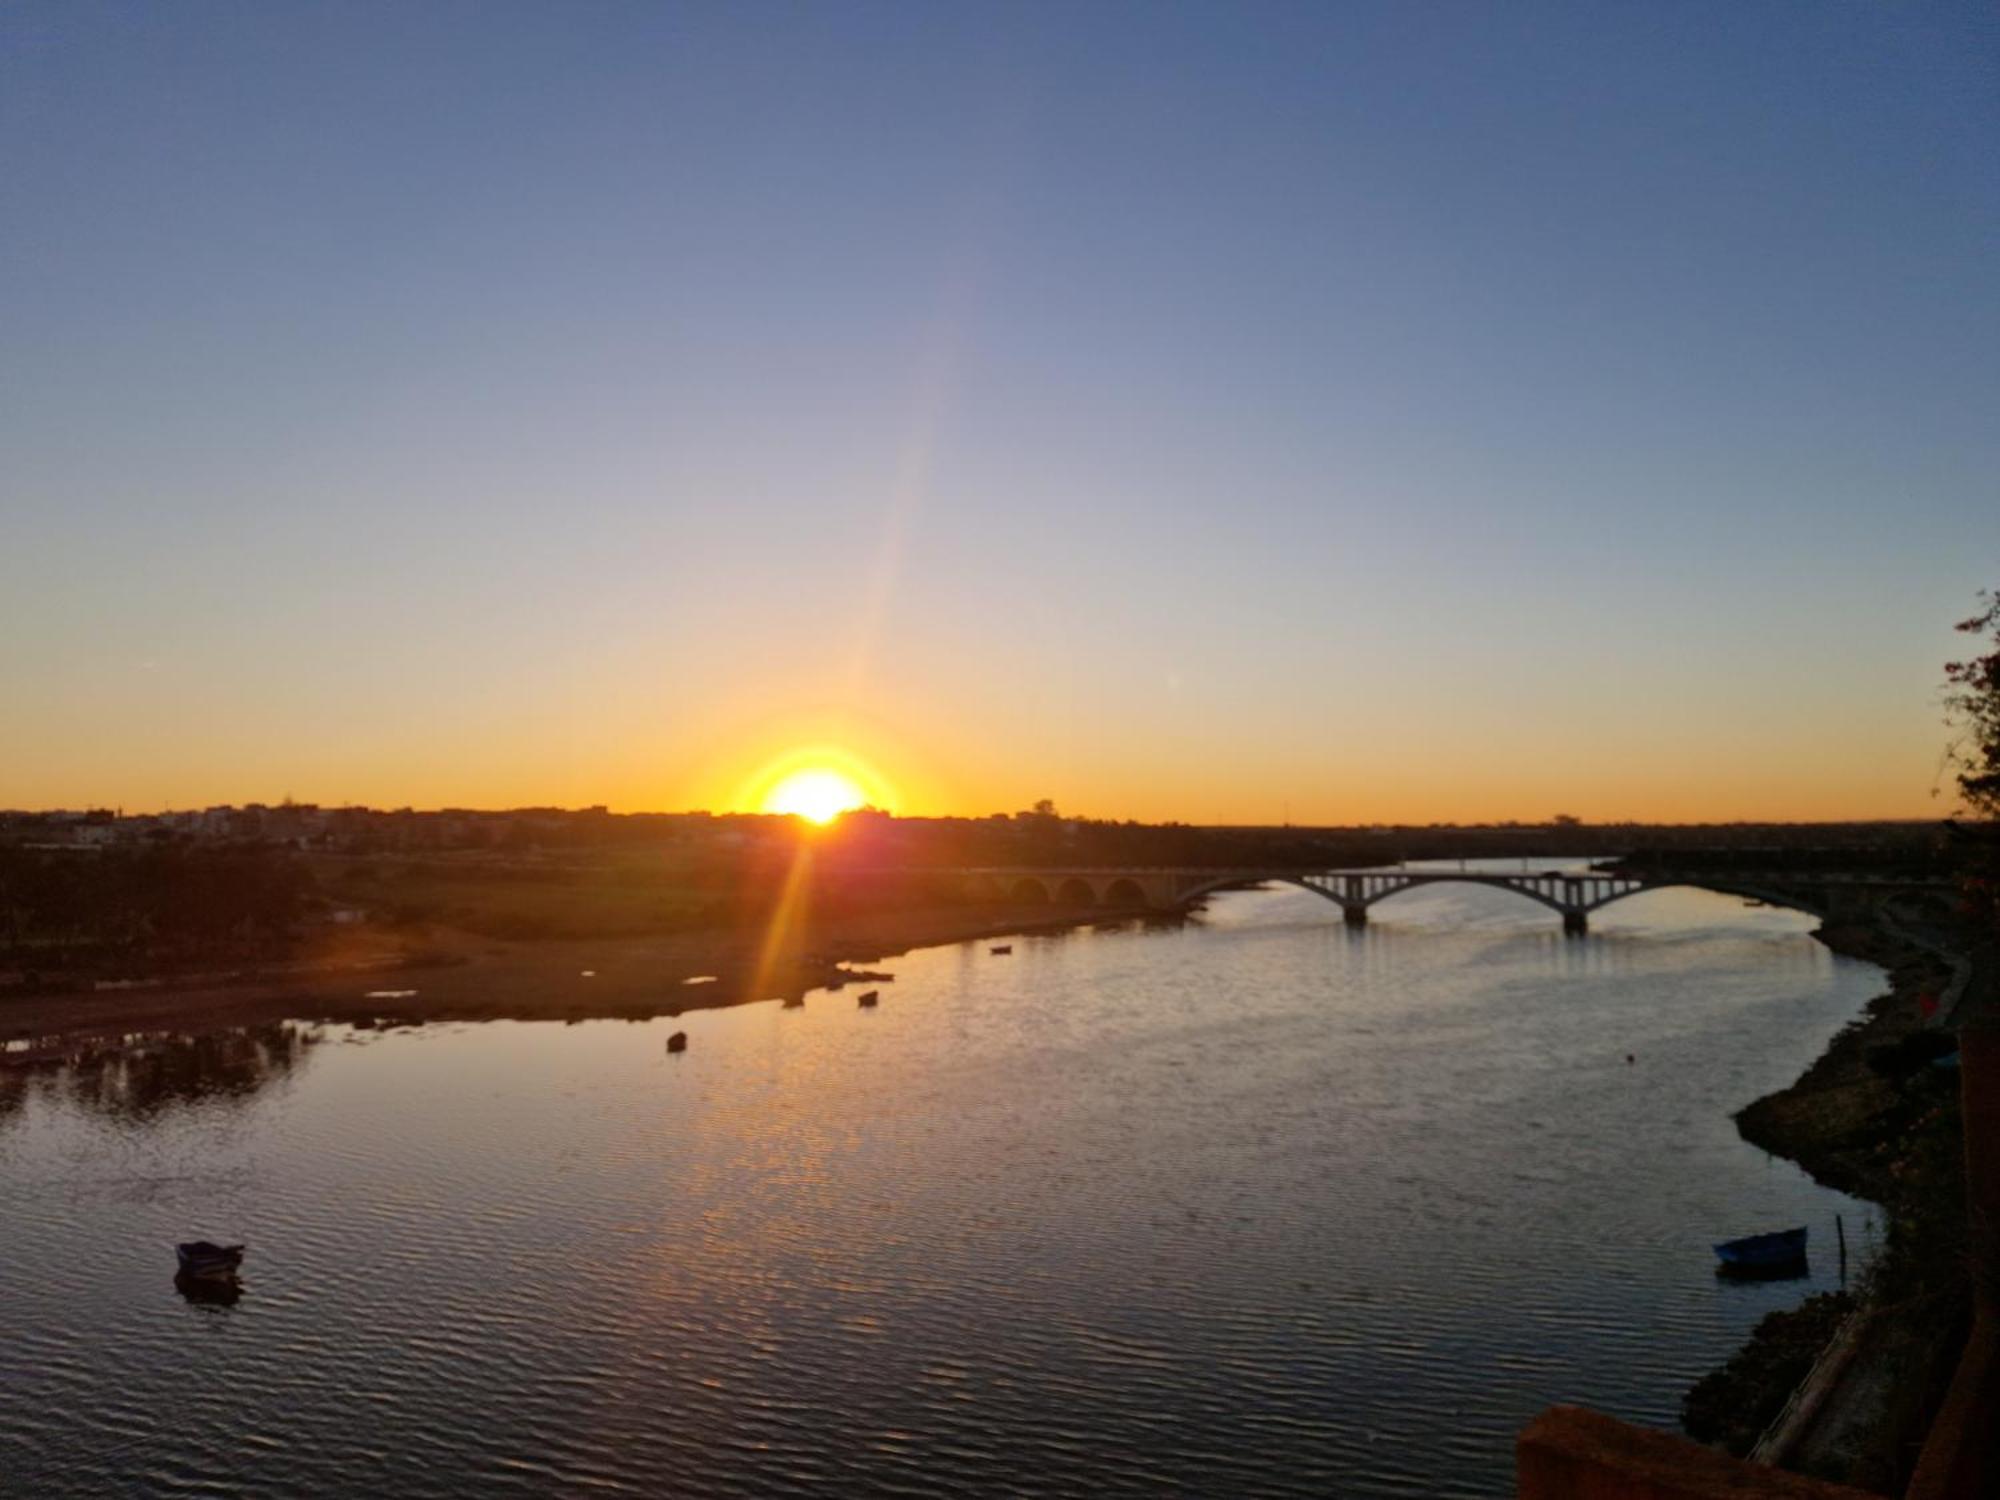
1574 895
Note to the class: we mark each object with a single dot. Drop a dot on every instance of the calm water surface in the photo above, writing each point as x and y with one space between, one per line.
1255 1206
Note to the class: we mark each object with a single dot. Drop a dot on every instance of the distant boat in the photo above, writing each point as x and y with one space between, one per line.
1764 1252
200 1258
1001 950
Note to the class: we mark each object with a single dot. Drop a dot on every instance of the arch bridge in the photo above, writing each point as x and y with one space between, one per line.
1574 895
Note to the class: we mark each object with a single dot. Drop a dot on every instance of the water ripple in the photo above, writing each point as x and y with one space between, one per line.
1257 1207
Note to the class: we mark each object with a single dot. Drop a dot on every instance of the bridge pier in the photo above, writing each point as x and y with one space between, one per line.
1354 913
1576 923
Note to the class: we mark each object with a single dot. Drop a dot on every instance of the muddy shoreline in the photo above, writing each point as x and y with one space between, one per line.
454 976
1836 1120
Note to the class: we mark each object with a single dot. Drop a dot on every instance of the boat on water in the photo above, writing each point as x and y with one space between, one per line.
1781 1250
202 1258
1001 949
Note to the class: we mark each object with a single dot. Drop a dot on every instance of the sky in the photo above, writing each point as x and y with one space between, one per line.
1226 413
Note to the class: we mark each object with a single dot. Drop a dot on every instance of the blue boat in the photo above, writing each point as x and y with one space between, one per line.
1764 1252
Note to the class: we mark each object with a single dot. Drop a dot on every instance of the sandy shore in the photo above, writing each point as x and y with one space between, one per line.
457 977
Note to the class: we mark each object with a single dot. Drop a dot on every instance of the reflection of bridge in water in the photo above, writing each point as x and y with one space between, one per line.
1573 894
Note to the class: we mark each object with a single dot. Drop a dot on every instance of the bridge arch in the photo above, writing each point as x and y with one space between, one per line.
1125 891
1789 901
1520 890
1028 889
1076 892
1244 881
1448 877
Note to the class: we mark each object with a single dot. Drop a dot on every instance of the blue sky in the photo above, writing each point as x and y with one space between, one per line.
1377 410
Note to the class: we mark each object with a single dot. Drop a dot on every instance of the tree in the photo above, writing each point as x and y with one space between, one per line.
1972 705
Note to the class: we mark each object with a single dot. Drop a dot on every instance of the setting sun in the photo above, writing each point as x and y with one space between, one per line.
818 795
816 779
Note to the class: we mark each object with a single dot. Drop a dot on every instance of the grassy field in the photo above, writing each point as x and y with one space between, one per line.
629 895
639 893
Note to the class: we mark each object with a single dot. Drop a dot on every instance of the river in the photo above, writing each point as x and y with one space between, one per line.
1254 1205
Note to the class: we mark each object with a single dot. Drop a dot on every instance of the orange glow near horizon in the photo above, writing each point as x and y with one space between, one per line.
1443 758
817 795
817 783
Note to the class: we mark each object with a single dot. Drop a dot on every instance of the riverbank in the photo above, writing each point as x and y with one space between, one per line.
438 974
1872 1117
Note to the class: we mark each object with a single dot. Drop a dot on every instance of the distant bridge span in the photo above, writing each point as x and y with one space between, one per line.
1574 896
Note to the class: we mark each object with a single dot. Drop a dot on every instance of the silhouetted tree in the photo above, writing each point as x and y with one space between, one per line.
1972 699
1972 703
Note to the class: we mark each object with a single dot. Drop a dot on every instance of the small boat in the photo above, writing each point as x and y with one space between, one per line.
1763 1252
1001 950
201 1258
678 1042
868 1001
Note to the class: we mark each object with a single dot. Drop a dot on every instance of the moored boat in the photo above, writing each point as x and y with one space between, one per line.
1763 1252
202 1258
